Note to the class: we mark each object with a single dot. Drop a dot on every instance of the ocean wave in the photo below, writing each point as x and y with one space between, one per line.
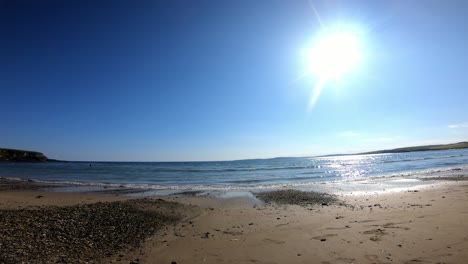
244 185
282 179
236 169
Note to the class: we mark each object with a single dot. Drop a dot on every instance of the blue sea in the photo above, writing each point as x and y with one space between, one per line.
331 173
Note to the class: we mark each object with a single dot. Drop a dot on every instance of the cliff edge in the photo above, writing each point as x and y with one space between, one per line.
16 155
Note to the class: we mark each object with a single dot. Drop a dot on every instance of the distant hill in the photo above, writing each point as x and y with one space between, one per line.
17 155
458 145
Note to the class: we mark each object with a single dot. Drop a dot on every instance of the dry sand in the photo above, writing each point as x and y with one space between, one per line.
424 226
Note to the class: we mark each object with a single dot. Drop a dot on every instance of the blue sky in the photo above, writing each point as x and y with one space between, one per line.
221 80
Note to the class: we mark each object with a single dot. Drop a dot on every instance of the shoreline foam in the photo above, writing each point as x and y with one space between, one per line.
241 175
385 183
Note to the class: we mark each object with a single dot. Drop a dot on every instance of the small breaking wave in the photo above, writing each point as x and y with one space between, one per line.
244 184
235 169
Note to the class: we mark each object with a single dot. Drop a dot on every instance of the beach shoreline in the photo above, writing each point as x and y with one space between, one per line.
413 226
333 174
353 186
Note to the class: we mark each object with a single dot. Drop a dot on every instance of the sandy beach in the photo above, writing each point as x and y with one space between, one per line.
237 132
425 225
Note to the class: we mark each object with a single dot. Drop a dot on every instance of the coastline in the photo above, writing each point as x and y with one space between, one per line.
354 185
424 225
341 174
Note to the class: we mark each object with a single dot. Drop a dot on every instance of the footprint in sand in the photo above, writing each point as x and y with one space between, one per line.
336 228
277 242
367 221
372 258
234 233
377 234
394 225
324 237
345 260
414 261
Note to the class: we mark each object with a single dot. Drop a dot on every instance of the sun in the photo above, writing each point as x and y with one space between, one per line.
333 54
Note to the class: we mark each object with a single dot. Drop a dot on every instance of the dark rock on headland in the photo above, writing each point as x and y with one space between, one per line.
17 155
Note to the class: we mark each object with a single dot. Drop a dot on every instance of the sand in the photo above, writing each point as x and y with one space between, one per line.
418 226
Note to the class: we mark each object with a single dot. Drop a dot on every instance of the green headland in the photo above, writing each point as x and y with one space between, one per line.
458 145
17 155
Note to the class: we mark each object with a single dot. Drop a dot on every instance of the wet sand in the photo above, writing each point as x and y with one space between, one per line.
417 226
425 226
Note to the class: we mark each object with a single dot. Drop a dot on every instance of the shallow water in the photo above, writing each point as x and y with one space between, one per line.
332 174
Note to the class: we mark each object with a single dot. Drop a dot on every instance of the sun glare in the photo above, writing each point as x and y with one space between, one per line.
333 54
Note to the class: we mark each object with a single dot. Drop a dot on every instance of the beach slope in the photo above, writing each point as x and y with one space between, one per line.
415 226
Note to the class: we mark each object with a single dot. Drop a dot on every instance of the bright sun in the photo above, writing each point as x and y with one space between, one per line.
333 54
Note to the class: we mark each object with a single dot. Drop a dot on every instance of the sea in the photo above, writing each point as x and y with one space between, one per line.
334 174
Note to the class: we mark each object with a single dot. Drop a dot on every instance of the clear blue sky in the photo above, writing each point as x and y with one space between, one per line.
217 80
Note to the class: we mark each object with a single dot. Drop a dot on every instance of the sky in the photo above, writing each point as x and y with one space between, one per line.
223 80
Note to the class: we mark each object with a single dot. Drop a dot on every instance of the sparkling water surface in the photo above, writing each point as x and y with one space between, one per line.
299 172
